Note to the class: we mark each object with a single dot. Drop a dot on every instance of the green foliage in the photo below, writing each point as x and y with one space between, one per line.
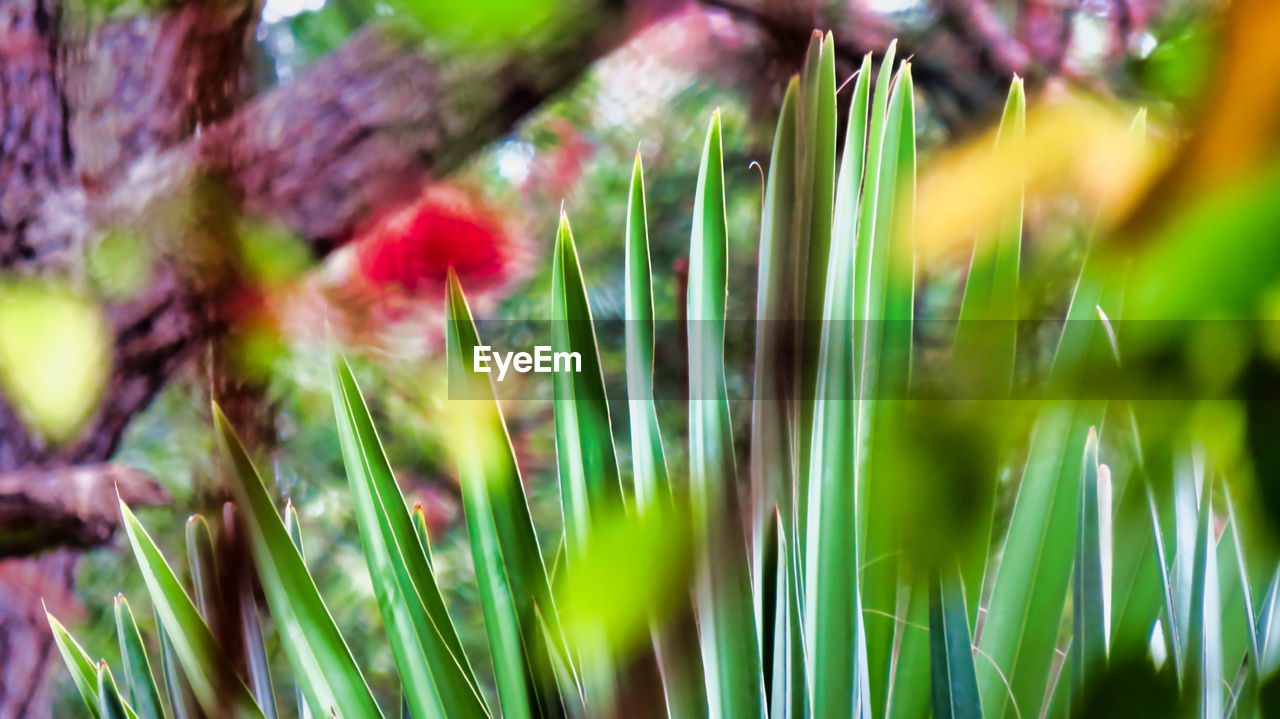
850 587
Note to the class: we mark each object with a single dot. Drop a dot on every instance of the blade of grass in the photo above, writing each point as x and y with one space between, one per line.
1030 588
293 527
882 344
987 336
813 238
678 661
1245 702
730 648
1269 628
1137 596
215 685
831 595
987 331
321 660
427 651
509 566
954 678
110 704
83 671
182 702
585 457
648 460
258 667
788 691
143 692
772 411
909 687
1088 605
204 570
1203 669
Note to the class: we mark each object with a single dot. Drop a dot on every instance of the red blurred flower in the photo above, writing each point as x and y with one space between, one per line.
414 247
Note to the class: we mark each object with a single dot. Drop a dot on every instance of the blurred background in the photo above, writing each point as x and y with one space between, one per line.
195 195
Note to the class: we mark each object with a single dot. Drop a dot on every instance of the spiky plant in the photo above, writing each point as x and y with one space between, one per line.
837 597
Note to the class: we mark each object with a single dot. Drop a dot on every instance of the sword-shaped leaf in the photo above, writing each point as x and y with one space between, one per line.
1088 602
214 683
321 660
954 679
433 669
144 695
509 566
831 583
83 671
585 456
730 648
677 654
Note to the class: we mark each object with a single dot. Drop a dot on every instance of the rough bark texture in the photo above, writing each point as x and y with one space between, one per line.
73 505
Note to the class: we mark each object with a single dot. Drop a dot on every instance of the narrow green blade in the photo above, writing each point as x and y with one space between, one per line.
1203 668
144 695
882 346
110 704
730 648
954 680
1137 597
182 702
987 332
1031 586
322 663
509 566
257 664
585 457
1245 699
427 651
812 240
987 336
1269 628
678 660
831 593
83 672
788 690
293 527
204 569
1088 605
648 460
772 411
213 681
259 667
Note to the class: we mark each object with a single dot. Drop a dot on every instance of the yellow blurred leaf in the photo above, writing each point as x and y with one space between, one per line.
1076 146
54 356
